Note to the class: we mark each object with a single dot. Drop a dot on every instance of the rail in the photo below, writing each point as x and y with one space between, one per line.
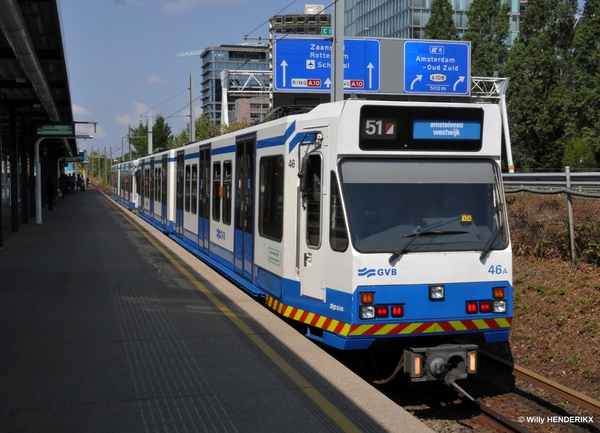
551 386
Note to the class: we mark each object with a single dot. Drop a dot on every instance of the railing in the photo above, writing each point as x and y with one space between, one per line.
555 215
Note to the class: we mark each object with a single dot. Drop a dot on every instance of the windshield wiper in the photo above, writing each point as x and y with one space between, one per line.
416 234
488 246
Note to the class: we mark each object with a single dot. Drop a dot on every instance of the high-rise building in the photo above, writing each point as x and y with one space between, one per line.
246 72
247 68
406 19
309 23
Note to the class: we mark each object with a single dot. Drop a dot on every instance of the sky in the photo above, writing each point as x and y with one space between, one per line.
122 57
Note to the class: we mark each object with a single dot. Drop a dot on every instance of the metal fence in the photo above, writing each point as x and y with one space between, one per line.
555 215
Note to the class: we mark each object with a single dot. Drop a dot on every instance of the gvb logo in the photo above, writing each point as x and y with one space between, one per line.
372 272
366 272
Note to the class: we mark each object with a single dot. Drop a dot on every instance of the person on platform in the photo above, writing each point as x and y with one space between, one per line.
63 185
51 193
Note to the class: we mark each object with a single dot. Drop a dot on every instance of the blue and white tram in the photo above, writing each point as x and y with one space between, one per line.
123 187
363 220
155 176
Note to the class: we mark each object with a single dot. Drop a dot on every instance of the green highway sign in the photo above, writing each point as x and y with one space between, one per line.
325 31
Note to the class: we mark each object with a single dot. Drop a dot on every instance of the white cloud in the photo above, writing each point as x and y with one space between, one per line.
140 108
155 79
133 119
88 129
80 111
123 119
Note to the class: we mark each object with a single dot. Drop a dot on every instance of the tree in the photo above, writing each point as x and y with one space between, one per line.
538 97
205 129
586 81
162 138
236 126
488 28
138 137
579 155
183 138
441 22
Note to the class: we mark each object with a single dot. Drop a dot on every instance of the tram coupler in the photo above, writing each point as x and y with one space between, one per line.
445 363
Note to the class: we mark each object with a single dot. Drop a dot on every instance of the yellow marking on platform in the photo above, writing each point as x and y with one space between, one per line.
319 399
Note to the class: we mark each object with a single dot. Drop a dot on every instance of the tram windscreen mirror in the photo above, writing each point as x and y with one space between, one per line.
302 173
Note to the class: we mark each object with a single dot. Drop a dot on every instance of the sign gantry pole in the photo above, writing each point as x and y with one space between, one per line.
337 51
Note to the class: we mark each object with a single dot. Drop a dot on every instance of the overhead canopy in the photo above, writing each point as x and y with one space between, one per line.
34 84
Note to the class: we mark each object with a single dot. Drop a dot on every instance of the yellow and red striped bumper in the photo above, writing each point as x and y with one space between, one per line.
356 330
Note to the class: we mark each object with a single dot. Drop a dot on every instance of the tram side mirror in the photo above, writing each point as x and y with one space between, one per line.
302 174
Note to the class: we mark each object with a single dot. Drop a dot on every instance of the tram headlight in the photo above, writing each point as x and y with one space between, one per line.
500 306
367 312
437 293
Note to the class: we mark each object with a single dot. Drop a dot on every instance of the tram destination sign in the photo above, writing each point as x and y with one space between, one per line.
437 67
304 65
56 130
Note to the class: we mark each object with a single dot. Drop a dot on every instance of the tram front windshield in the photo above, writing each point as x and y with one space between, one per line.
411 205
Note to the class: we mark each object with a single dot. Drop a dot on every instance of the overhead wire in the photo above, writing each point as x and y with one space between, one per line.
239 68
184 90
282 36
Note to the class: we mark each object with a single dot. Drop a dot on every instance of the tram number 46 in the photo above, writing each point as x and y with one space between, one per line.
497 270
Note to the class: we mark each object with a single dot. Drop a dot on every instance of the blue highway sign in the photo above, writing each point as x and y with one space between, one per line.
302 65
437 67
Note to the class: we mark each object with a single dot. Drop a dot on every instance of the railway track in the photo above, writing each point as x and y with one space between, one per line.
497 421
494 419
548 385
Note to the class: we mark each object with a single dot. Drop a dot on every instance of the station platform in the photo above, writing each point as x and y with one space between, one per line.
109 326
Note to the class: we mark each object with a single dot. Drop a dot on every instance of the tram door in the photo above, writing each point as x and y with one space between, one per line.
146 188
163 189
312 245
179 190
151 196
244 207
204 207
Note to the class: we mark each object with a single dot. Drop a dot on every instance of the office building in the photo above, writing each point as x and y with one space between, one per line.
406 19
249 69
309 23
247 74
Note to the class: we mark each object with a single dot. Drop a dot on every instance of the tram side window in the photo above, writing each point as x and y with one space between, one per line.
147 183
313 201
227 171
188 181
151 183
194 189
138 182
164 181
270 202
338 235
217 191
157 186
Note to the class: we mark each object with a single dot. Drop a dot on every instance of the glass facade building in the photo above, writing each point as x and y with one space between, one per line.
406 19
250 58
233 58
